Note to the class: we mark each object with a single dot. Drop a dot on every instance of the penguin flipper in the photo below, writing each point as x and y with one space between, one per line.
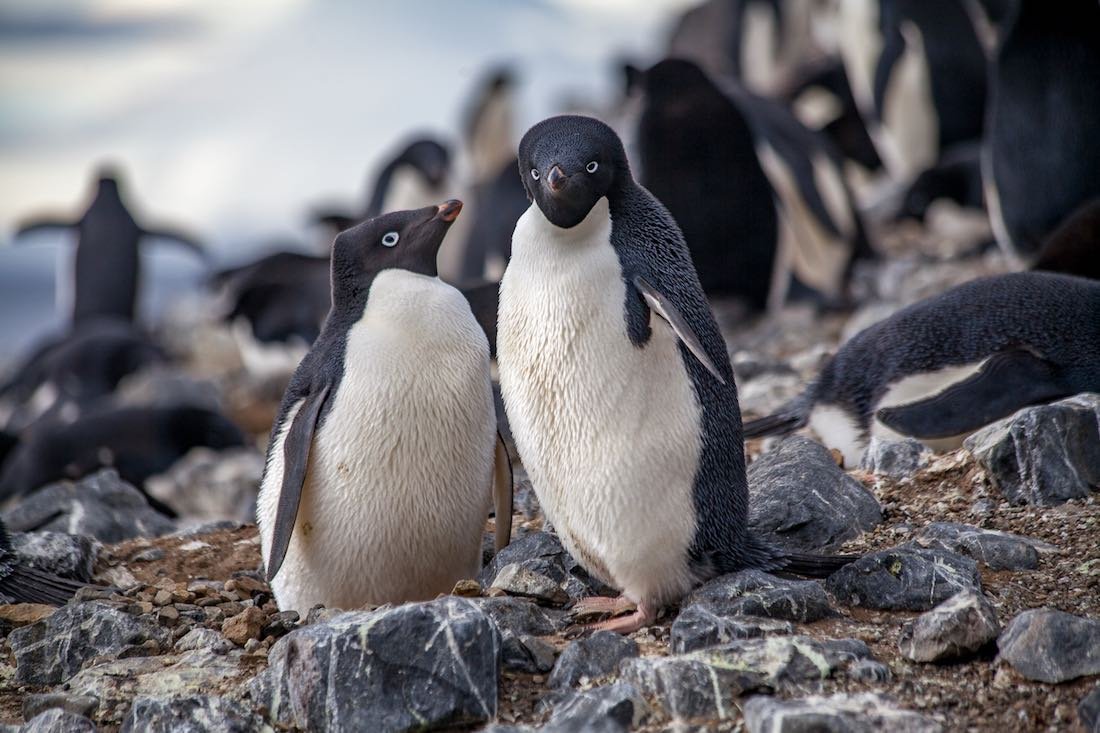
296 449
1007 382
502 494
177 237
42 224
27 585
666 310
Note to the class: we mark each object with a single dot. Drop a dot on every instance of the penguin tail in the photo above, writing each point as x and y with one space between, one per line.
792 416
815 566
27 585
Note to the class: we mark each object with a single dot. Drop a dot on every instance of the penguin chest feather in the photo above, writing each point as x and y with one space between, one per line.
609 432
399 478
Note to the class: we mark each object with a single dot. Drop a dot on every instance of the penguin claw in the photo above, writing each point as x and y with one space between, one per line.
644 616
600 605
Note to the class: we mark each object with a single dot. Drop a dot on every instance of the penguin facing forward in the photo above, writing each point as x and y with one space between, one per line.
106 267
21 583
1041 148
616 382
380 467
947 366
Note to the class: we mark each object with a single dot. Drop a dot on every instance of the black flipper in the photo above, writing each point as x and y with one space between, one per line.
666 310
814 566
790 417
1007 382
27 585
296 450
503 488
43 224
177 237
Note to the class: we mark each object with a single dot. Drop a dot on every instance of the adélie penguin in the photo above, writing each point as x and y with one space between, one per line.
616 382
949 365
385 455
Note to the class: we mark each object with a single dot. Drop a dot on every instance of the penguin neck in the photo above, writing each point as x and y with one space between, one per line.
593 229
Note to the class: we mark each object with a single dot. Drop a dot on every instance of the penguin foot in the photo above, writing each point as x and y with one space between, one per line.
644 616
600 605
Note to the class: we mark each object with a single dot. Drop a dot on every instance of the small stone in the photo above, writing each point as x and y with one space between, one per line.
904 578
168 616
894 458
281 623
756 593
467 589
200 638
616 708
151 554
247 586
997 550
68 555
522 616
162 598
244 626
517 580
861 713
593 657
1088 710
702 625
56 720
956 628
76 704
1051 646
21 614
197 713
526 653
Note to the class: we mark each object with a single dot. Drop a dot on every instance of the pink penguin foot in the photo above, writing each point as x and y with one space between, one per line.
644 616
602 605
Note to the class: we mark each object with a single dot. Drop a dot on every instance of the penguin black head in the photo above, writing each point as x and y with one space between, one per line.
568 163
404 240
430 158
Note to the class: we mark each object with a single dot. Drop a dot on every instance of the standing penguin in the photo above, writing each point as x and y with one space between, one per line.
106 269
1042 151
617 384
378 475
944 367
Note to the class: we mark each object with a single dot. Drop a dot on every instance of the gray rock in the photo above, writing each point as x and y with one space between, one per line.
956 628
895 458
68 555
840 713
102 506
801 499
58 721
869 670
75 704
201 637
613 708
212 485
420 665
1051 646
197 714
592 657
516 580
756 593
1043 455
707 683
542 553
904 578
521 616
1088 710
526 653
704 625
54 649
997 550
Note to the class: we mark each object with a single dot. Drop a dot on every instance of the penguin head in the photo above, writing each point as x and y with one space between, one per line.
570 162
405 240
430 158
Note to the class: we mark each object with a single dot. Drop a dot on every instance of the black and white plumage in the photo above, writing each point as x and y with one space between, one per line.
107 263
616 381
1042 150
21 583
947 366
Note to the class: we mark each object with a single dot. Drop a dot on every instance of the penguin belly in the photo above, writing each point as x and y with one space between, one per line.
608 432
398 488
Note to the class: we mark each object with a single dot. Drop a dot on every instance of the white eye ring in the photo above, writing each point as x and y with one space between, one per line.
390 239
592 166
535 173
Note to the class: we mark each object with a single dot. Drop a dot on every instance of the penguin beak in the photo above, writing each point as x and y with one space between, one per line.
448 210
556 179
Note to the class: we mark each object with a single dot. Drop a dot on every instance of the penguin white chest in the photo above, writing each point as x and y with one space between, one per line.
609 432
399 479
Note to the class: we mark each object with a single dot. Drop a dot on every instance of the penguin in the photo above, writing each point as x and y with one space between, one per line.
617 384
760 198
138 442
487 130
949 365
385 455
956 177
500 203
1074 247
918 74
22 583
106 267
1041 148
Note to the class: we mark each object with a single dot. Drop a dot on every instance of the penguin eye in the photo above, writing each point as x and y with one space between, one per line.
592 166
535 173
390 239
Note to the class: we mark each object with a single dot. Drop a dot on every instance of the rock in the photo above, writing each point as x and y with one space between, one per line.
862 713
280 624
68 555
895 458
904 578
1043 455
801 499
703 625
75 704
212 485
422 665
542 553
997 550
16 615
244 626
521 616
1088 710
616 708
101 505
1051 646
203 638
765 392
756 593
58 721
592 657
707 683
195 714
869 670
516 580
956 628
525 653
52 650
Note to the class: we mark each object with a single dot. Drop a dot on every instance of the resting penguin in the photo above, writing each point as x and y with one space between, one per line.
382 459
947 366
617 384
106 267
1042 151
21 583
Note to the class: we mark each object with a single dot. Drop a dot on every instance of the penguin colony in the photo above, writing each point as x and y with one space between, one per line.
754 164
